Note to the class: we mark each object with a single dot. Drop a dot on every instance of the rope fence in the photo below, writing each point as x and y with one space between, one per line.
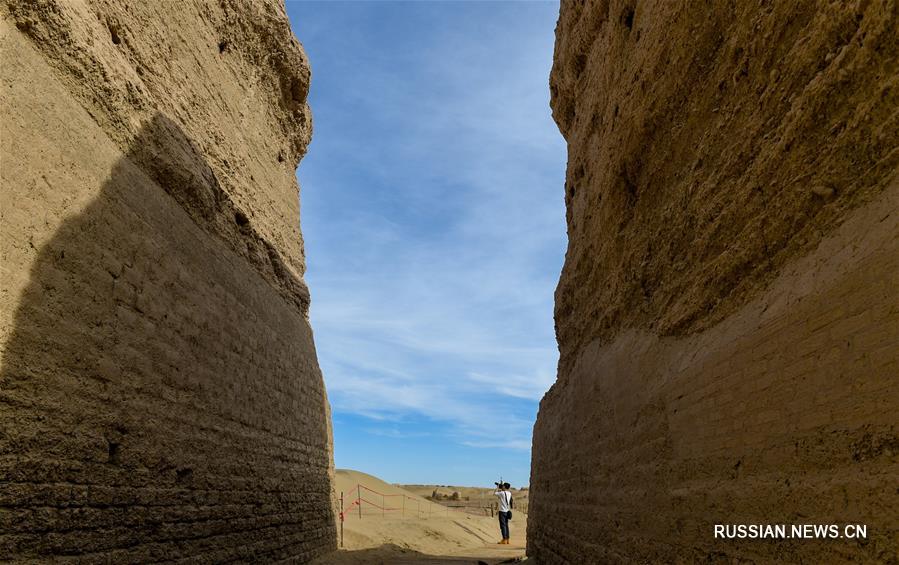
354 508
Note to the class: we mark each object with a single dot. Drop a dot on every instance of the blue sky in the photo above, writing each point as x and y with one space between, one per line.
433 217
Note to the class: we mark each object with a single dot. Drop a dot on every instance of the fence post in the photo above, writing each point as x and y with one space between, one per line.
341 519
359 498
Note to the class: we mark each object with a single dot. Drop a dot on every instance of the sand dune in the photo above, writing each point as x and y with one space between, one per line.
396 524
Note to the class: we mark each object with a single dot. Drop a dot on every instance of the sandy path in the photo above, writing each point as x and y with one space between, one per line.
490 554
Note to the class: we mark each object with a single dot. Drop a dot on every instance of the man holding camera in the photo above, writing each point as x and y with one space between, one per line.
505 509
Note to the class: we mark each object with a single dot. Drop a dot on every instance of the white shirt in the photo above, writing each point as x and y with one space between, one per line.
505 497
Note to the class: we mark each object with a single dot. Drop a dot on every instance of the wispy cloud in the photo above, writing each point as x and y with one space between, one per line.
433 214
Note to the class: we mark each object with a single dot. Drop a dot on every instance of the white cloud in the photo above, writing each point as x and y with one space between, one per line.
435 234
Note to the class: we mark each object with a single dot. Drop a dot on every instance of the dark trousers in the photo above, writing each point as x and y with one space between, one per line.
504 524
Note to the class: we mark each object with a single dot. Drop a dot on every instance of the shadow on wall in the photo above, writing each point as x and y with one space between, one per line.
160 396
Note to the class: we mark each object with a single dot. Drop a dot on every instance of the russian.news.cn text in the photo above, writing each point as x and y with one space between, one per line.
791 531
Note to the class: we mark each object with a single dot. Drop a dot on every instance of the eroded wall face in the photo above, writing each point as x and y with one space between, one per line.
160 396
728 312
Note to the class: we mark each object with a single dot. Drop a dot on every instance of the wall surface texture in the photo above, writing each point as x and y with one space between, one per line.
160 396
728 313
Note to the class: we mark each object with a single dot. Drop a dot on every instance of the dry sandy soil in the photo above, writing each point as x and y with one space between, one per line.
424 532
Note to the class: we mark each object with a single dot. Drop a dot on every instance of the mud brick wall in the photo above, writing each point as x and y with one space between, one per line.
728 312
160 397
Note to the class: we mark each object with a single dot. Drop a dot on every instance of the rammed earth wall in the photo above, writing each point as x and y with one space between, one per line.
728 312
160 396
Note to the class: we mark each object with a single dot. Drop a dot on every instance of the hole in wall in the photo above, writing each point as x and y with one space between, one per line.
627 17
297 91
184 475
112 451
114 32
580 64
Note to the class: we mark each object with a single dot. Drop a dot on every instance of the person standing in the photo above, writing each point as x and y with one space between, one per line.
505 509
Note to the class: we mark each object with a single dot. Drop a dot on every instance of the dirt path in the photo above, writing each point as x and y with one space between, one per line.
489 554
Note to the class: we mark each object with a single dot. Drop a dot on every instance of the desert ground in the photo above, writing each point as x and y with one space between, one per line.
398 525
476 500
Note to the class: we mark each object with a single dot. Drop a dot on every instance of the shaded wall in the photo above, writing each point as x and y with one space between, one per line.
728 311
160 396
